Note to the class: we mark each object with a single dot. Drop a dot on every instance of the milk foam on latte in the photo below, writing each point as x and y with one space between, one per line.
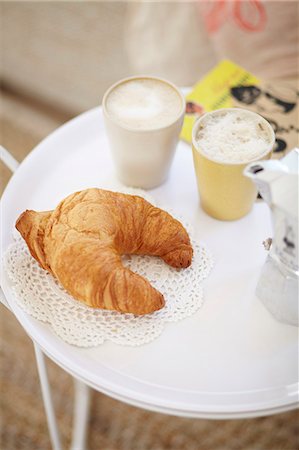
144 103
233 136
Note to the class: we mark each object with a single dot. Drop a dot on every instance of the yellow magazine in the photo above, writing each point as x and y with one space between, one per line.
214 92
229 85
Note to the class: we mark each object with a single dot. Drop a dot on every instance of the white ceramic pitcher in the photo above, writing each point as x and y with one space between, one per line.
277 182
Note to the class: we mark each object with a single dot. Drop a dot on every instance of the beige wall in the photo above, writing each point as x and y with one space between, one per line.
65 53
68 53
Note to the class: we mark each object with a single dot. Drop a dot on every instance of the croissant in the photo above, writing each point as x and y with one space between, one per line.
82 240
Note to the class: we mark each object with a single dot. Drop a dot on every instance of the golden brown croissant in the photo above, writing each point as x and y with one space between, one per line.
82 240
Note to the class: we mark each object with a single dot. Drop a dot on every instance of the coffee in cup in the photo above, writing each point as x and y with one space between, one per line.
224 142
143 117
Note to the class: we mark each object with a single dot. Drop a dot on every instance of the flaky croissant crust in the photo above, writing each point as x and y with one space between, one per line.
82 240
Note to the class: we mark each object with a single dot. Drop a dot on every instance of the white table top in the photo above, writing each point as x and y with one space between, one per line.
231 359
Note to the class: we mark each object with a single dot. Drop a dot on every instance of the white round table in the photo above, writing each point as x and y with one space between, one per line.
231 359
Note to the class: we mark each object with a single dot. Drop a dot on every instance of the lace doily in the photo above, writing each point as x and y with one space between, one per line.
42 297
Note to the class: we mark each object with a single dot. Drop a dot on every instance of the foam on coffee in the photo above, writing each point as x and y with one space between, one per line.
233 136
144 103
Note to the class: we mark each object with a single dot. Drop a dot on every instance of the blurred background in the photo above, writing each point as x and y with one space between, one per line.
57 60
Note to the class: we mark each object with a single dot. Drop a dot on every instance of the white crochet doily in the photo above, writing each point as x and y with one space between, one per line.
42 297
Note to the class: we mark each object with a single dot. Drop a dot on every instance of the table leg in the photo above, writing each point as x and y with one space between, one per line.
81 415
47 398
3 299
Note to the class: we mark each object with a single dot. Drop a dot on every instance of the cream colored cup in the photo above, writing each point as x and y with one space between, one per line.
225 193
142 157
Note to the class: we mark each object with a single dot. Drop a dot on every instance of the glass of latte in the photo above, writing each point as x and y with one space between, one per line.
143 117
223 143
